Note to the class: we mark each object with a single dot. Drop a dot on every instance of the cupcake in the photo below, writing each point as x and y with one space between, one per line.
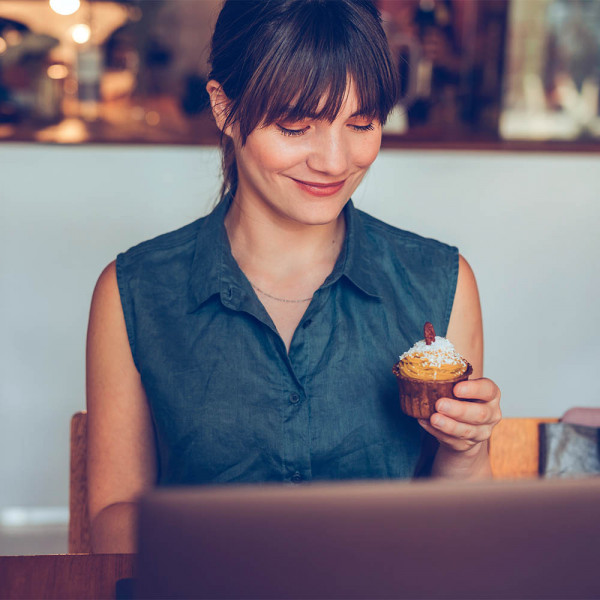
428 371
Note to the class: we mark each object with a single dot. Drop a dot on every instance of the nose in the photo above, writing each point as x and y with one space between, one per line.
328 153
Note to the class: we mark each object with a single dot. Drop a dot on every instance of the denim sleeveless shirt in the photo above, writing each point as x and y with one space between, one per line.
229 404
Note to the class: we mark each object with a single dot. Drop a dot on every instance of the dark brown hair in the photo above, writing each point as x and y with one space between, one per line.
277 59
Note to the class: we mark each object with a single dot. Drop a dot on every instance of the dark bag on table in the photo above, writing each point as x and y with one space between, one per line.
568 450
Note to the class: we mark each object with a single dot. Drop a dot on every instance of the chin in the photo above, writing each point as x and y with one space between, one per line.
321 211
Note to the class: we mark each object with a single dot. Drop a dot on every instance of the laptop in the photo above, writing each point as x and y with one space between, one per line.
384 539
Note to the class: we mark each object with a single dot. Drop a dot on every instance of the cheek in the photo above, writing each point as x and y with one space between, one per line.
367 151
273 155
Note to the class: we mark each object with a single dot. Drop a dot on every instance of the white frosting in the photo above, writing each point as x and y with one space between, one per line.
440 352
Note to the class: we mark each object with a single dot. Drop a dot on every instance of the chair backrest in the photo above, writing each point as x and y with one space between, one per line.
79 521
588 416
515 447
514 454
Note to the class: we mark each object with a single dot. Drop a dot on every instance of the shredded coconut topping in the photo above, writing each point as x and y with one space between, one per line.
440 352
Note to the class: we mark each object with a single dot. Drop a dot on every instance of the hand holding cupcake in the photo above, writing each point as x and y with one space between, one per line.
461 422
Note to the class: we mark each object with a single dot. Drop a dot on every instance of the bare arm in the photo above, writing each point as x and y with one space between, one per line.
121 449
463 428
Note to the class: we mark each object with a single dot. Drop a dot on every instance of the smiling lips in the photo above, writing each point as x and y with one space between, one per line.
320 189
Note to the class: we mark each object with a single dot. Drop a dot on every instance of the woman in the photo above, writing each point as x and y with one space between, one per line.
256 344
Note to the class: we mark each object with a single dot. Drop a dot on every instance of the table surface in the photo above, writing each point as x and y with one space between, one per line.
64 576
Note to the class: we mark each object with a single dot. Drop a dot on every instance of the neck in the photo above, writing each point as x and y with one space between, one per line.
277 251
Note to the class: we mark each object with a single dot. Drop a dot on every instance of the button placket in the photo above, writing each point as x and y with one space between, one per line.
294 398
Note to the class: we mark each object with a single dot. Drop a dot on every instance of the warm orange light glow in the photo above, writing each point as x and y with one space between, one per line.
81 33
12 37
152 118
70 86
65 7
57 71
138 113
3 45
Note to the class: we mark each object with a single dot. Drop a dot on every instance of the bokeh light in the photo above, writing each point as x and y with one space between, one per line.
152 118
81 33
57 71
65 7
12 37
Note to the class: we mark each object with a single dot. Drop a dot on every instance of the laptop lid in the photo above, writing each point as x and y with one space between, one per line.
425 539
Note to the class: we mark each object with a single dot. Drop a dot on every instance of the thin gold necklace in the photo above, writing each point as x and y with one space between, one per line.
279 299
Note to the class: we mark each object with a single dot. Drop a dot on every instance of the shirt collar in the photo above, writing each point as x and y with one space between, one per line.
356 259
215 271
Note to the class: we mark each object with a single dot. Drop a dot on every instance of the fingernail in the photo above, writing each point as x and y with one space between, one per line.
438 420
462 387
442 405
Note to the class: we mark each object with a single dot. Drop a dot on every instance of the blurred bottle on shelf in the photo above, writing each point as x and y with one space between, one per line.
449 58
49 92
89 76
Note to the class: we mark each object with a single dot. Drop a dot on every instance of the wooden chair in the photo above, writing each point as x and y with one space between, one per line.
514 454
79 520
515 448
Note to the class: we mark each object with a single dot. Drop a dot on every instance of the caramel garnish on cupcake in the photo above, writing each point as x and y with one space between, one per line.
432 359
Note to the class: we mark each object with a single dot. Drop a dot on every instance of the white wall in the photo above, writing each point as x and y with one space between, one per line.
527 223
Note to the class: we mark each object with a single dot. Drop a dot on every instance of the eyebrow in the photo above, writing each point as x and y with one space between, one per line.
291 111
311 115
361 113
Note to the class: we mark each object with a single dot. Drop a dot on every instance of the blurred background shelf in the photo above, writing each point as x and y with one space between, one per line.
509 75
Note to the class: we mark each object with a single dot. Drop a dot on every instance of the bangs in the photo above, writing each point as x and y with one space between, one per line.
307 64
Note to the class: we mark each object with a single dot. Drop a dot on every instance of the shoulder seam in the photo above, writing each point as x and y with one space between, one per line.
164 241
409 236
452 289
126 315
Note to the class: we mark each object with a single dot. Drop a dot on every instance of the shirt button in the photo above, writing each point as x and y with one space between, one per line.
294 398
296 477
306 323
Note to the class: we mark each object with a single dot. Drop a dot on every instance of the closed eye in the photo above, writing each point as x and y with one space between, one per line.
287 131
368 127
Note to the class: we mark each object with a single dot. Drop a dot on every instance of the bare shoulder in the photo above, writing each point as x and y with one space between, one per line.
108 278
106 291
106 326
120 439
465 329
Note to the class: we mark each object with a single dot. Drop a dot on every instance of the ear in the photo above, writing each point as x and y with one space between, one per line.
219 103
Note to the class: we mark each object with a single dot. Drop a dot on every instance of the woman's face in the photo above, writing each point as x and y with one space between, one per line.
304 172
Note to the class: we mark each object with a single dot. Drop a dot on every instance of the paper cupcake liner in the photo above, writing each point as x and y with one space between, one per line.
418 396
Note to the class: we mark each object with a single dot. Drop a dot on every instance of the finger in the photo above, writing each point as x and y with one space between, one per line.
474 413
477 389
447 440
424 423
458 430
